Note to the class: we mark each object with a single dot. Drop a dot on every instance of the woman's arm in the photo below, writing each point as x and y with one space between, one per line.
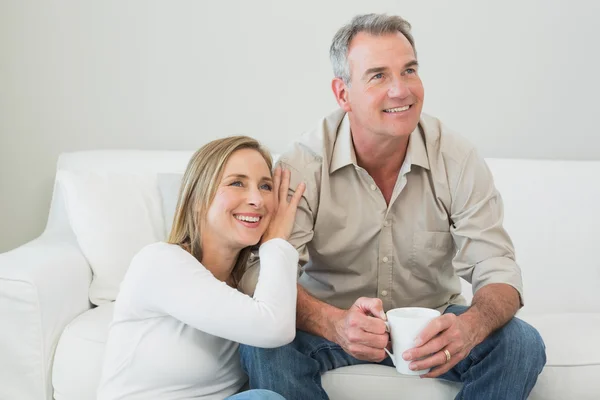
173 282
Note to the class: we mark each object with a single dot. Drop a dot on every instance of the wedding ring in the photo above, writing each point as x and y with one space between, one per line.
448 356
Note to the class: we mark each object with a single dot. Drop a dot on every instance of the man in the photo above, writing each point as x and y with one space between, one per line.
396 209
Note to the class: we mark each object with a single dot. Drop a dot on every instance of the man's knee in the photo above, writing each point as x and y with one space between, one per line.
524 344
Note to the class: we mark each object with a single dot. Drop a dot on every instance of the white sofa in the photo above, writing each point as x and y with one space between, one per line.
52 338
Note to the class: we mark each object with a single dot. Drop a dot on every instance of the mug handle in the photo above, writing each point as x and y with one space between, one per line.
389 329
391 356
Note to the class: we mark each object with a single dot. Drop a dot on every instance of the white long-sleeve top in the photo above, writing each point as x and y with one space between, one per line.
176 328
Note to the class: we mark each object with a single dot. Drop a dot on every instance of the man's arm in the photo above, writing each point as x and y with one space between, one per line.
486 253
360 331
492 307
485 257
314 316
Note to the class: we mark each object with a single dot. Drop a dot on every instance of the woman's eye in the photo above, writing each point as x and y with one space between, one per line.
236 183
266 186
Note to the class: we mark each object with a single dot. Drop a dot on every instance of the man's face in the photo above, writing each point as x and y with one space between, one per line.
385 96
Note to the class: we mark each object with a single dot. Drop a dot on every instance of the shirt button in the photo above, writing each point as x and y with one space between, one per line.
385 259
386 222
384 292
373 187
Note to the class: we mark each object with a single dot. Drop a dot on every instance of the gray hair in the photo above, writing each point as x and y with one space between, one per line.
374 24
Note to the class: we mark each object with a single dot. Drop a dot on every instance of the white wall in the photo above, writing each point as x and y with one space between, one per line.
519 78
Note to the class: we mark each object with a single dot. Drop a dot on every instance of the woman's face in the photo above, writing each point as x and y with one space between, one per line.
241 210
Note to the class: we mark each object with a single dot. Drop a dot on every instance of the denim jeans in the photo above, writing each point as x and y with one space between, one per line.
256 394
504 366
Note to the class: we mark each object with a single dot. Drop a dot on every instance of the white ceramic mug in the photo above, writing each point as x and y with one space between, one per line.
404 325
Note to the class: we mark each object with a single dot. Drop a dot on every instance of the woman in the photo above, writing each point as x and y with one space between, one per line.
178 317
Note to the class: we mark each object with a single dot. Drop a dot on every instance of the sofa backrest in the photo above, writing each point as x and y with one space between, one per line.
131 161
549 213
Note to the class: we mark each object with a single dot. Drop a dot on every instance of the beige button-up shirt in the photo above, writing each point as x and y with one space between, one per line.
444 221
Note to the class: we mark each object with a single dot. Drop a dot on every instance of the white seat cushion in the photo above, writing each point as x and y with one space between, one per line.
383 383
573 356
79 355
572 369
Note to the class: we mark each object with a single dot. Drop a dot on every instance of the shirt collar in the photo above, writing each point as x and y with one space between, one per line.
343 149
344 154
417 149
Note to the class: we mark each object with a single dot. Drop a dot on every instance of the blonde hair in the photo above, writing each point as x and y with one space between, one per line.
198 188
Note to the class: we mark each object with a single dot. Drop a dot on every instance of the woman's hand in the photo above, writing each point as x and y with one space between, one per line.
284 212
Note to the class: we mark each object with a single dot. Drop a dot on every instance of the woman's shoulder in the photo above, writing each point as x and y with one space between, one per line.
157 255
159 249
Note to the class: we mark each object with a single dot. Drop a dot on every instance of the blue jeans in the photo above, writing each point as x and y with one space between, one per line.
256 394
504 366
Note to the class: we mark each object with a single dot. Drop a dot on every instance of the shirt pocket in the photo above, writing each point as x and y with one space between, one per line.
432 254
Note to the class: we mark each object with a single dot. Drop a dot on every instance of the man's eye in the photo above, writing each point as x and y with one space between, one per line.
266 186
410 71
236 183
377 76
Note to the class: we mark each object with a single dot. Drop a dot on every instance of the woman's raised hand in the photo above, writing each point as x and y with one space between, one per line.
284 212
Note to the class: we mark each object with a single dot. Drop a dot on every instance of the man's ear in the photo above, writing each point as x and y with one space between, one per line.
340 91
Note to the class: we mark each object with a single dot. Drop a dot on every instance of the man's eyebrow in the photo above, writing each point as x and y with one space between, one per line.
413 63
377 70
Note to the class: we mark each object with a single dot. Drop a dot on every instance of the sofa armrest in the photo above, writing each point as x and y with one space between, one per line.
43 286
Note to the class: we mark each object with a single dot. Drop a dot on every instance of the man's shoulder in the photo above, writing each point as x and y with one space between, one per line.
309 151
449 144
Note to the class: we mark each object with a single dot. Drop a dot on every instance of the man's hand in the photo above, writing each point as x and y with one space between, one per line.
447 332
493 306
361 330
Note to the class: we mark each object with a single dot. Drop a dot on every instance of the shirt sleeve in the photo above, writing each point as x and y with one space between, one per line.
176 284
485 251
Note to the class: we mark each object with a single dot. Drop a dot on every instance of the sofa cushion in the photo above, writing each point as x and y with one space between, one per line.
79 355
383 383
572 369
168 186
573 355
113 215
550 214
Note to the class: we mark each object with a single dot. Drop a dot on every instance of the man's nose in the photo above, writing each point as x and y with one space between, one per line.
398 88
